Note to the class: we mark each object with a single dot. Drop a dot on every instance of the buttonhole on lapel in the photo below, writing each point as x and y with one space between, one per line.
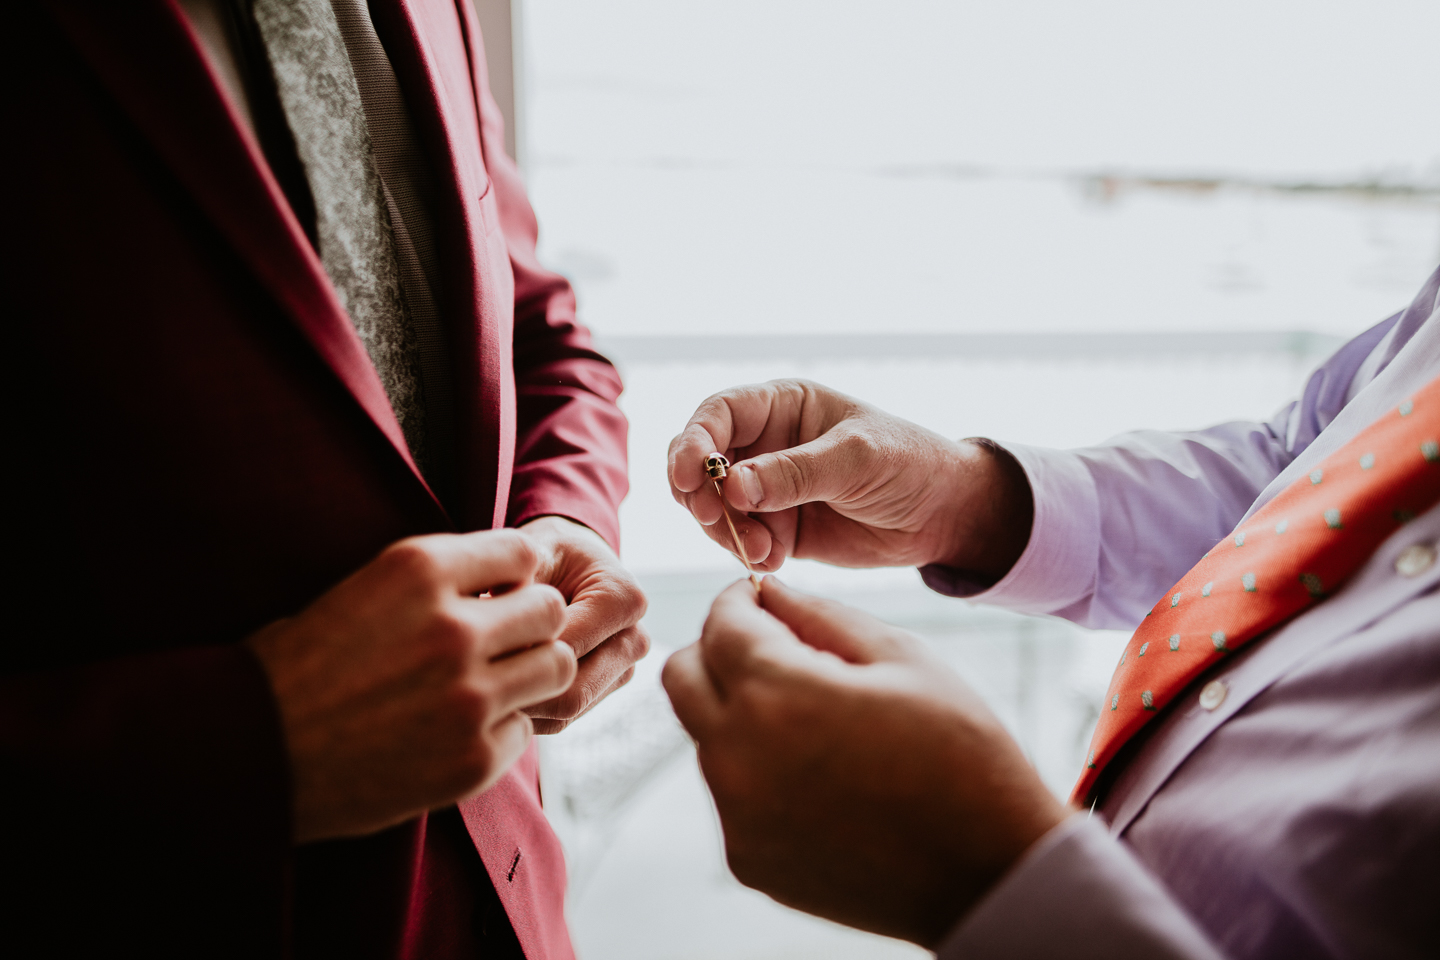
514 865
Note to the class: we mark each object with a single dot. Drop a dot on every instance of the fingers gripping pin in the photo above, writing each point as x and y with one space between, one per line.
716 467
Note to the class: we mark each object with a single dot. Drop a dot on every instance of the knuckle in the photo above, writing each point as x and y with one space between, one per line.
672 675
526 550
470 707
803 397
450 644
712 407
638 645
857 447
473 766
414 560
569 705
550 606
554 670
791 474
566 666
713 627
520 547
797 389
630 598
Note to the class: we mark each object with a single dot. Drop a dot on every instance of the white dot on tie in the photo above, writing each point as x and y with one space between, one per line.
1332 518
1175 642
1205 590
1248 582
1282 526
1415 559
1367 461
1213 694
1175 600
1317 475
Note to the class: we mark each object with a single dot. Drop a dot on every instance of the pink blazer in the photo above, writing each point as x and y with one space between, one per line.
198 444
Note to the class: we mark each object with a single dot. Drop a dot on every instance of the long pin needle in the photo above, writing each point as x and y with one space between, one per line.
715 468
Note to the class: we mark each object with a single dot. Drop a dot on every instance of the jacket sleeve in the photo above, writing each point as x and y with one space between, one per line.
1117 524
570 437
1078 893
146 801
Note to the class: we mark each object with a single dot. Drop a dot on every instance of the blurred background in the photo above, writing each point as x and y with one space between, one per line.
1045 221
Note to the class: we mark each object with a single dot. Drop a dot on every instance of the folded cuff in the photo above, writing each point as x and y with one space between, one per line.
1078 893
1059 563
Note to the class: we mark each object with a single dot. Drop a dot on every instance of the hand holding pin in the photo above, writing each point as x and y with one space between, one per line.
715 468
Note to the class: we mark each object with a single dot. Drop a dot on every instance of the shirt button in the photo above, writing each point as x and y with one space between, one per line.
1213 694
1415 559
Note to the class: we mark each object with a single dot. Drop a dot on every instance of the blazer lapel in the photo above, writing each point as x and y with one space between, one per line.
431 47
149 60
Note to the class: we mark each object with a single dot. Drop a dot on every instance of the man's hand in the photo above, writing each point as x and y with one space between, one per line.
826 476
857 778
401 690
602 623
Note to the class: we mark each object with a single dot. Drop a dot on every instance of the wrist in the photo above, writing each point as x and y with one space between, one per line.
994 834
991 511
551 531
551 521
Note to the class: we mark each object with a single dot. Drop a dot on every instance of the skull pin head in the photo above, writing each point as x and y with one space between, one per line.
716 465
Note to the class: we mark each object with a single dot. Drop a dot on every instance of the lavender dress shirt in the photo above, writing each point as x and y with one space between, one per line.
1300 816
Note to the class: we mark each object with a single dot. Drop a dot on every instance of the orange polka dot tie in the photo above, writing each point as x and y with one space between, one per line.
1296 550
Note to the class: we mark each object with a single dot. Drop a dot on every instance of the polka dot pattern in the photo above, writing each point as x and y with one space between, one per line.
1293 553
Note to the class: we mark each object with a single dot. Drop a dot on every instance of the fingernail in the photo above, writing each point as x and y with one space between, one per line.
750 483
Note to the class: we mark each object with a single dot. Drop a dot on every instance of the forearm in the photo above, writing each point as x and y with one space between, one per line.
570 456
1117 524
1078 893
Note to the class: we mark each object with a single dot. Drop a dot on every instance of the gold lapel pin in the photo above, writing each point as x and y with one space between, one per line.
716 468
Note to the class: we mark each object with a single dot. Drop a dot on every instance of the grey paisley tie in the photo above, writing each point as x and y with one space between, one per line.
324 109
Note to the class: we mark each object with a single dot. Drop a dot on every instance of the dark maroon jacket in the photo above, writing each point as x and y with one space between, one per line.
198 445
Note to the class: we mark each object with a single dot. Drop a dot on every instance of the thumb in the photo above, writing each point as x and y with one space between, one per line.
835 628
824 469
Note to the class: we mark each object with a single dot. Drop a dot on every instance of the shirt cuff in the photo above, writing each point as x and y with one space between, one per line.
1059 563
1078 893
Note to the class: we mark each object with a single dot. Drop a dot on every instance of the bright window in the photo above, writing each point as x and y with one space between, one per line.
909 201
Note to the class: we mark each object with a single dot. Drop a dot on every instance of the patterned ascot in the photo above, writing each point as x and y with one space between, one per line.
1295 551
323 106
